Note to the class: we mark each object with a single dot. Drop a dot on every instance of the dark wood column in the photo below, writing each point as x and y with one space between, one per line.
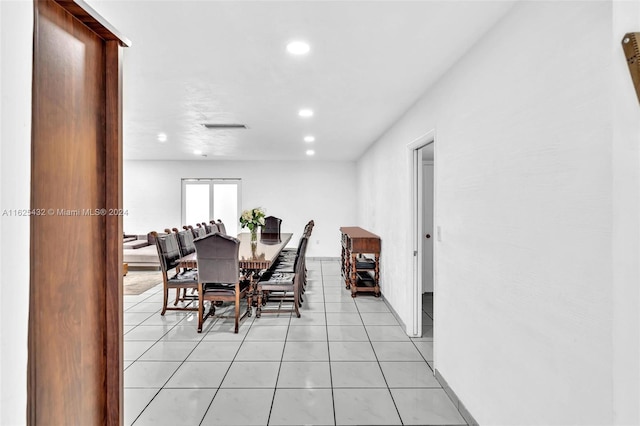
113 305
75 304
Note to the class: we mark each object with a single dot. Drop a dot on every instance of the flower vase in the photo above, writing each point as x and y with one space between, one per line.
254 237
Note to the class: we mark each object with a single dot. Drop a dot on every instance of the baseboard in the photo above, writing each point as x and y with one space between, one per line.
395 314
456 401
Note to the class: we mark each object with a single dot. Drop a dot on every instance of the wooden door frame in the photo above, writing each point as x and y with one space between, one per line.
110 337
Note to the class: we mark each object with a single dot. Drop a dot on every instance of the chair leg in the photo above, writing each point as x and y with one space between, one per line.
200 313
249 303
165 300
237 309
296 298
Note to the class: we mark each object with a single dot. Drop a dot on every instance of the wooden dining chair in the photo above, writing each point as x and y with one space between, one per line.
291 253
283 287
210 228
200 230
286 263
219 276
197 232
186 246
169 253
288 256
185 241
271 225
221 228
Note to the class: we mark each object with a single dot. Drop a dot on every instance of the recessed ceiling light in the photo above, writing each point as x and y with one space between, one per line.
162 137
298 48
310 152
309 138
305 113
197 152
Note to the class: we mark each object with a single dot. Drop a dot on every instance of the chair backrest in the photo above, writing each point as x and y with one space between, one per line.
198 231
301 253
210 228
185 241
190 228
217 256
308 228
168 250
271 225
221 228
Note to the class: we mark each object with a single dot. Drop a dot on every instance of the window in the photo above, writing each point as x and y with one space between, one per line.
211 199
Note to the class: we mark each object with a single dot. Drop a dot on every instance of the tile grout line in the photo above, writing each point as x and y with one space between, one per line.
326 325
182 363
433 371
275 387
185 360
252 326
156 342
226 372
379 366
167 381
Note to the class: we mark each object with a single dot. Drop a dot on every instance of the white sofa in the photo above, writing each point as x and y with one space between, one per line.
138 253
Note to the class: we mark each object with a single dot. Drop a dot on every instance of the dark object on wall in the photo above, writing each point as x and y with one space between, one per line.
630 45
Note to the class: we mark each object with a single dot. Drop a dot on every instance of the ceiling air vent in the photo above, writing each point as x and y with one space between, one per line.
224 126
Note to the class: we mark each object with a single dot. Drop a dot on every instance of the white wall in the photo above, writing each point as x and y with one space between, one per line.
626 229
523 306
16 28
293 191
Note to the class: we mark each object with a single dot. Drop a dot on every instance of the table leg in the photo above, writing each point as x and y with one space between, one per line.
259 307
249 292
250 300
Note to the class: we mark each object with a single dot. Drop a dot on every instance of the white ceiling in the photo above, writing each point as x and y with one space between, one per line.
195 62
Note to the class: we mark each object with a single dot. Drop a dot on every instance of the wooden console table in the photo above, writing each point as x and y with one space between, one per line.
356 267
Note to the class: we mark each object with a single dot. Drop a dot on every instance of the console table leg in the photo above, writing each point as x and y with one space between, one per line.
347 269
354 276
376 275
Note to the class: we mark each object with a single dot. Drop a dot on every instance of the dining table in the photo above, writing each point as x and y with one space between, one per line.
253 257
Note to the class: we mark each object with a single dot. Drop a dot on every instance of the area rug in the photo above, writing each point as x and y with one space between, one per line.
137 282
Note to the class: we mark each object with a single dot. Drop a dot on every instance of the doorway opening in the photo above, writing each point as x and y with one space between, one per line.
423 164
427 237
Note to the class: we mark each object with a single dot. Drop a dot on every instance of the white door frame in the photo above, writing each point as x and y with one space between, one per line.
415 160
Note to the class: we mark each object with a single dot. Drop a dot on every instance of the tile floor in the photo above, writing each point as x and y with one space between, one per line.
344 362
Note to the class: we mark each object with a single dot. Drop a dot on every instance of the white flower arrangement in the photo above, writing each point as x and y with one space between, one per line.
252 218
